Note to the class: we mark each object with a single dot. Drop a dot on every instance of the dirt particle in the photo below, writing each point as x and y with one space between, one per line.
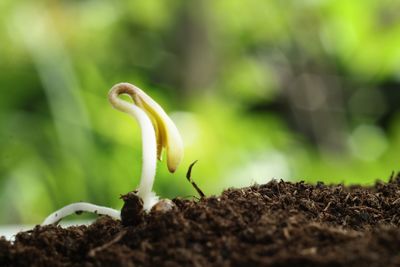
132 211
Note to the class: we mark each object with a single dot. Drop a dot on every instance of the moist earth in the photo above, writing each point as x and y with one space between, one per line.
275 224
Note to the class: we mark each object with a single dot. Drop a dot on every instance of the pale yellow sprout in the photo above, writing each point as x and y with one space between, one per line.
158 133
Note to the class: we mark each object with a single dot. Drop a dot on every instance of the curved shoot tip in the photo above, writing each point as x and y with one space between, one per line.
167 134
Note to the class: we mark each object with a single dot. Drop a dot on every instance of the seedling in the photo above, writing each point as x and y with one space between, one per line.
158 133
189 178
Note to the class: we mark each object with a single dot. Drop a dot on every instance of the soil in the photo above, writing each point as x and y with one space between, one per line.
276 224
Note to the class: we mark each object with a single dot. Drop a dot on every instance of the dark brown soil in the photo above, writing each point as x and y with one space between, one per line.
276 224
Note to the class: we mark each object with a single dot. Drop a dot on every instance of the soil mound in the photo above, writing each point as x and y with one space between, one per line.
276 224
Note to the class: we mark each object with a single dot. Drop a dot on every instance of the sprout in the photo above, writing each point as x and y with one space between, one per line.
158 133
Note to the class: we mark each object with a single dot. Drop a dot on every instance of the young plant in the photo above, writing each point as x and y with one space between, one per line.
158 133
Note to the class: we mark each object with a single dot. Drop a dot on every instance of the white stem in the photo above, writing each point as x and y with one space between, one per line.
149 142
80 207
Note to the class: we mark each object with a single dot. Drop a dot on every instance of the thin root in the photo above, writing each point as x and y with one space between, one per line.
78 208
117 238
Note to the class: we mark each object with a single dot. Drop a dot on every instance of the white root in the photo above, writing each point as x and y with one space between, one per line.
80 207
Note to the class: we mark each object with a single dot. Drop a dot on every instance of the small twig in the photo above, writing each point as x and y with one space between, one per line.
347 197
365 208
117 238
336 231
188 176
327 206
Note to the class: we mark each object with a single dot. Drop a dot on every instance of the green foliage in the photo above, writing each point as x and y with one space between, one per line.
259 89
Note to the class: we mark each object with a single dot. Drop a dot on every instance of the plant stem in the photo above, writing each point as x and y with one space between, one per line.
149 142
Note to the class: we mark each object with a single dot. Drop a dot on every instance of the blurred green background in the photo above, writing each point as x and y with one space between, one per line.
298 90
